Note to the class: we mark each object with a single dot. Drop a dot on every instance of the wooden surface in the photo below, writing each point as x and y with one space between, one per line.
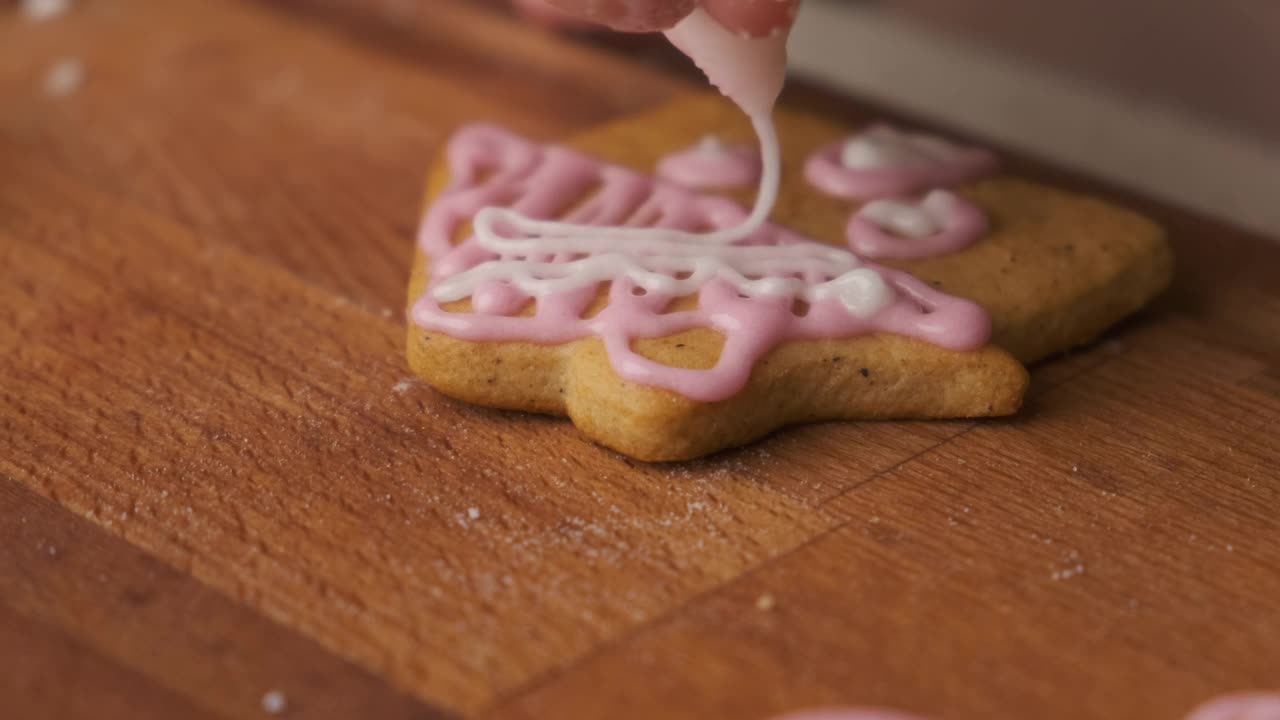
217 478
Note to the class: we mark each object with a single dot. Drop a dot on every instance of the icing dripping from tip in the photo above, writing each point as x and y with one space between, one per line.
751 72
651 243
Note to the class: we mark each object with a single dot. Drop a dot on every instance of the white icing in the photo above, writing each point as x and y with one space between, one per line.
915 220
711 145
541 257
552 231
882 146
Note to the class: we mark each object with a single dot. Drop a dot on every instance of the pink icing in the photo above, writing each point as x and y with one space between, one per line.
826 172
491 167
849 714
710 164
966 224
1245 706
1248 706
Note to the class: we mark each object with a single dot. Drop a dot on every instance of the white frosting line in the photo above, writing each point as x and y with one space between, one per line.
542 257
915 220
883 146
550 233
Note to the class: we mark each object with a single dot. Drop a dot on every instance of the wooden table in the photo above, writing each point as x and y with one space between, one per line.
217 478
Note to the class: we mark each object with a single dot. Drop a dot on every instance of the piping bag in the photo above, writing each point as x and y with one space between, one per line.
749 71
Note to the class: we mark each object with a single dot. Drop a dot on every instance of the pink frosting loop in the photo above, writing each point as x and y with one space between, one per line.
949 224
884 162
710 165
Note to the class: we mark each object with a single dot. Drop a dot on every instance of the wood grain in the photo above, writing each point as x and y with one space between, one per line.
45 673
261 129
204 390
1121 533
104 631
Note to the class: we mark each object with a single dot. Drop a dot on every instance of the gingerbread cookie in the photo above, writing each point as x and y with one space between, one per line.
671 344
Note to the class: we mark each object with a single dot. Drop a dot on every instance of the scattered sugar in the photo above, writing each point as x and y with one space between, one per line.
403 386
765 602
274 702
1068 573
39 10
64 78
473 513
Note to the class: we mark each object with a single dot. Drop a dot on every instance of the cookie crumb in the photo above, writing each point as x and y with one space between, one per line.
865 372
765 603
1068 573
274 702
64 78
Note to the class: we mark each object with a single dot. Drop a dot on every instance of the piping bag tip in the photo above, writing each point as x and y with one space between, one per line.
749 71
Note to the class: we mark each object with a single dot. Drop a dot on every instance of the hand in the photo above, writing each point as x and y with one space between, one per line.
754 17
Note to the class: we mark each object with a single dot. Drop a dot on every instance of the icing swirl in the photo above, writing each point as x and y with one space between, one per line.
940 223
883 161
711 164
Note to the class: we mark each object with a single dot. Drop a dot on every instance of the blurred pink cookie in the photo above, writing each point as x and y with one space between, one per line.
1245 706
850 714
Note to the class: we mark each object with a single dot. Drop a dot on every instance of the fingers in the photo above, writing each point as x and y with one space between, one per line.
630 15
538 11
757 18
